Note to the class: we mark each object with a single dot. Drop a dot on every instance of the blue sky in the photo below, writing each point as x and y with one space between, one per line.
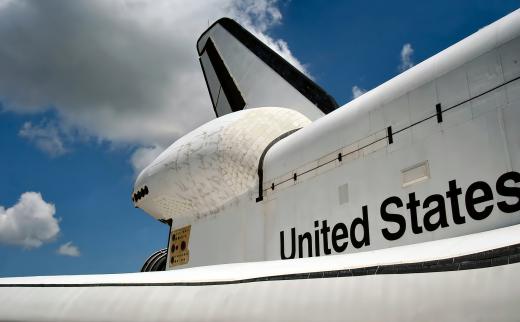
93 94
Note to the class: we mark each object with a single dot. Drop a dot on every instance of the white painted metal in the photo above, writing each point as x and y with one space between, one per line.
487 294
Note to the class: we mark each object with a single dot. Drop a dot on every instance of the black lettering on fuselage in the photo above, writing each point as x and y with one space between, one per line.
301 238
282 244
324 232
439 209
412 208
453 194
393 217
431 214
363 223
339 232
472 200
509 191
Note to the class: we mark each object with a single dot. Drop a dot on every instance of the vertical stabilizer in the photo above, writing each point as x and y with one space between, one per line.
242 72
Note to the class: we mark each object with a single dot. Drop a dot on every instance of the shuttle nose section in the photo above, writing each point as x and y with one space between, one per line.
208 167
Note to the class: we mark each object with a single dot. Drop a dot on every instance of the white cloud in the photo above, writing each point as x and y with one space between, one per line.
357 91
406 57
257 14
68 249
29 223
144 156
258 17
125 71
45 136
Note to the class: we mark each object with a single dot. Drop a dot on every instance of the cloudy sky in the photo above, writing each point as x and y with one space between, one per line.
92 90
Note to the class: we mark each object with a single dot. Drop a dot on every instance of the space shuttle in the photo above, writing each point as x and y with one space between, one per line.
401 205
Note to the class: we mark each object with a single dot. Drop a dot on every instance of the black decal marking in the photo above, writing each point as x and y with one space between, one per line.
439 113
389 135
293 244
301 238
339 232
363 222
392 217
509 191
453 194
472 200
316 238
412 205
325 229
439 209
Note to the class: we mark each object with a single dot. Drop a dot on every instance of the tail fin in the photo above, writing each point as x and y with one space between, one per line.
242 72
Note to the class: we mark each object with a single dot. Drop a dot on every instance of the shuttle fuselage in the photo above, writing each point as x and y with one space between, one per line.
430 154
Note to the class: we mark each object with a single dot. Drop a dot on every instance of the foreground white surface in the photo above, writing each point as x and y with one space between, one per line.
488 293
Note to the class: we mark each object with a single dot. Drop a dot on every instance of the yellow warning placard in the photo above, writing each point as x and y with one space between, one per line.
179 251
